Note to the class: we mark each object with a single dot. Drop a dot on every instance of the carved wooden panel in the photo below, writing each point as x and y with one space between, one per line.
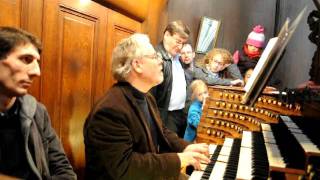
72 69
119 27
10 13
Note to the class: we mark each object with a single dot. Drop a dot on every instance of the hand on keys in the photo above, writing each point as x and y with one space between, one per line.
194 154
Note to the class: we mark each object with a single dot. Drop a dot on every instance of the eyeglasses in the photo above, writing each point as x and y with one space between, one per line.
153 56
178 39
217 62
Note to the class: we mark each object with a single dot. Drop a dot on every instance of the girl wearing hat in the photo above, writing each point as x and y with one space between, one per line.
248 56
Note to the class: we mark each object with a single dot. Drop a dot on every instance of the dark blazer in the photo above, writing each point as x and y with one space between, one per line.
44 152
118 141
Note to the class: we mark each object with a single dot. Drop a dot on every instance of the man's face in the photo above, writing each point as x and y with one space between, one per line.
187 54
18 69
173 43
151 66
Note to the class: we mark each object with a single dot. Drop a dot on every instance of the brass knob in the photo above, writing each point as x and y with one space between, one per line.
217 103
235 106
208 132
231 96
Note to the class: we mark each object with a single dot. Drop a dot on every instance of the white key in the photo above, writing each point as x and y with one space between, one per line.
303 140
212 148
228 142
246 139
306 143
223 158
245 164
225 150
196 175
286 118
291 125
218 171
268 134
294 130
265 127
274 156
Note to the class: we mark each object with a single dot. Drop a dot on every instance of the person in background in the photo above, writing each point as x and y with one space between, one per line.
199 91
187 59
124 134
248 56
171 94
247 75
29 146
218 69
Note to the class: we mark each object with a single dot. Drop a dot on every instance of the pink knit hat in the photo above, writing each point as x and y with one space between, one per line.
256 37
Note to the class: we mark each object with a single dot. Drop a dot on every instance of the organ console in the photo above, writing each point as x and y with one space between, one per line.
269 140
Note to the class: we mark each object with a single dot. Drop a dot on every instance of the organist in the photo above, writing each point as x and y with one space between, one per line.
124 135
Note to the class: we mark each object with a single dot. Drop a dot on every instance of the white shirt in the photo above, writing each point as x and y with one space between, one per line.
178 93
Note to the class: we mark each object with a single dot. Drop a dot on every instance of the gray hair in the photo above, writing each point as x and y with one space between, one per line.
123 54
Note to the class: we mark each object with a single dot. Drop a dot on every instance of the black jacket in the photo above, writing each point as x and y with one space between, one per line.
44 152
162 92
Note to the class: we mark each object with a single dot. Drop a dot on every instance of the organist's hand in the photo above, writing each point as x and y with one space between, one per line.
193 159
201 148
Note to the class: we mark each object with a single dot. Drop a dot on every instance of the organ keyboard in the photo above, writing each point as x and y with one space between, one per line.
258 142
279 151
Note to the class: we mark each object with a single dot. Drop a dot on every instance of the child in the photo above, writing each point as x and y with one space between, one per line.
218 69
199 91
247 75
248 57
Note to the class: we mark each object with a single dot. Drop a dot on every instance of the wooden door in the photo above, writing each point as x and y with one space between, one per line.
74 40
119 27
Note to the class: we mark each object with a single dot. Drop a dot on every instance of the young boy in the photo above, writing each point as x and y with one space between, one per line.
218 69
248 56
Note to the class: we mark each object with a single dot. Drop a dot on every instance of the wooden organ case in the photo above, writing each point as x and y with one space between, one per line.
265 141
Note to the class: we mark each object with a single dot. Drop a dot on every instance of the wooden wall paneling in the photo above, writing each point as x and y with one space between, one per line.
135 9
151 24
119 27
10 13
31 15
73 62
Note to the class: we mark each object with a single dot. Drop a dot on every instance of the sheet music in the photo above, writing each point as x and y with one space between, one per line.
261 63
270 58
